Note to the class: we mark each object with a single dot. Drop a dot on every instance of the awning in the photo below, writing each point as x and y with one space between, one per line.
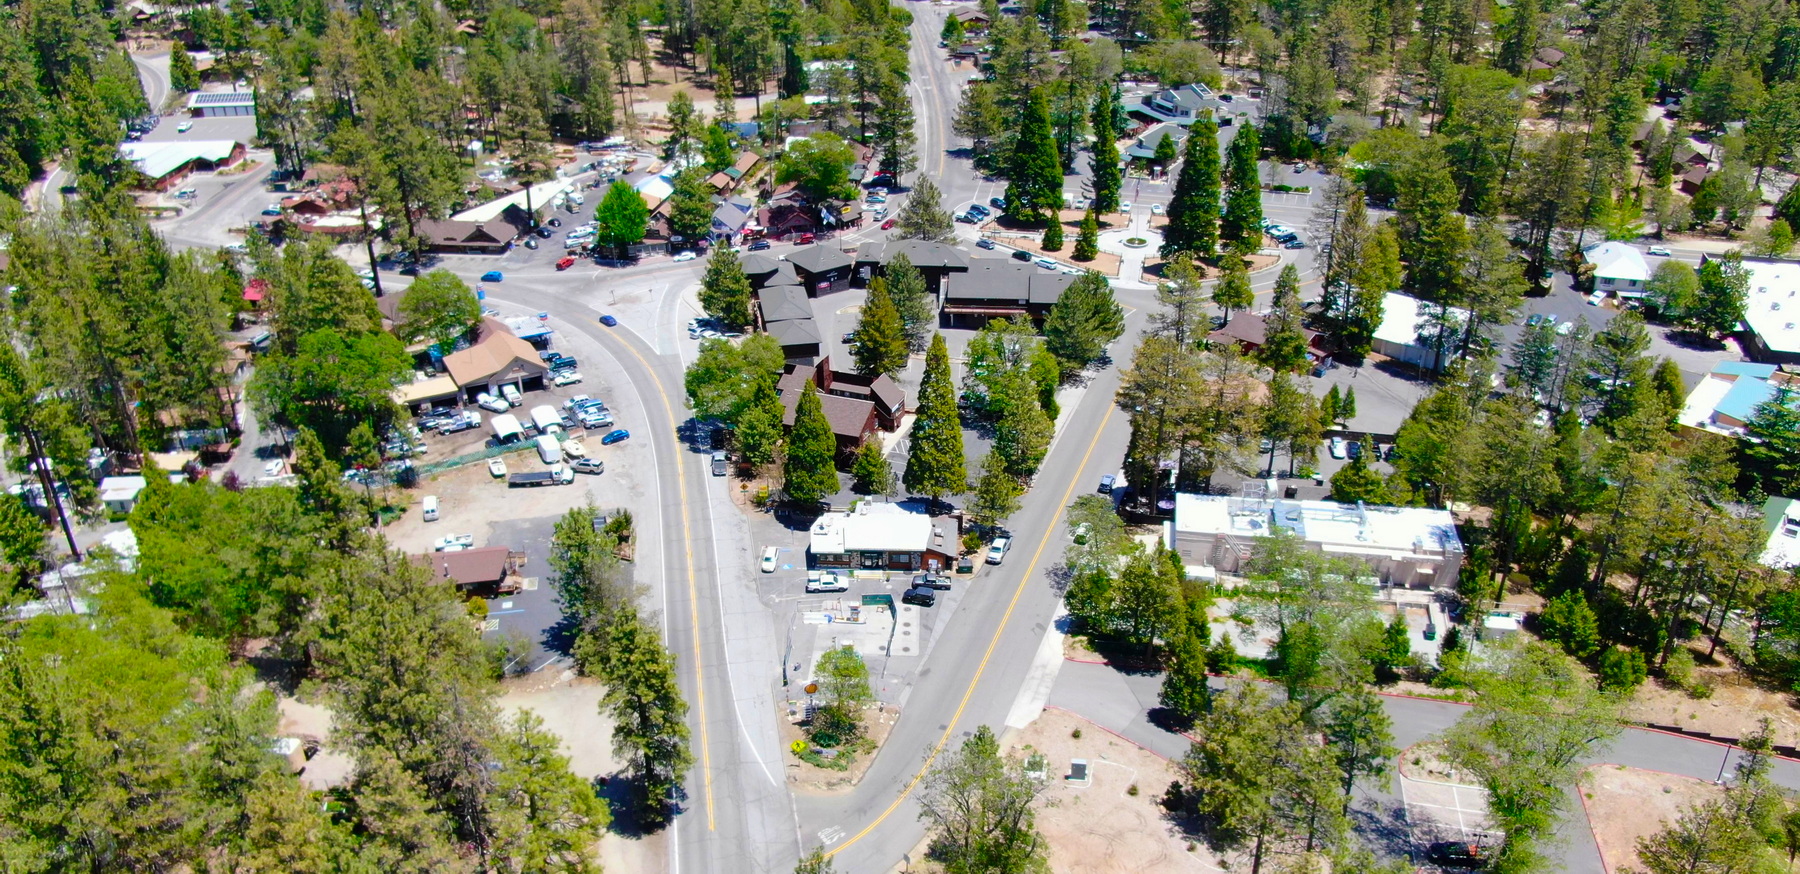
983 311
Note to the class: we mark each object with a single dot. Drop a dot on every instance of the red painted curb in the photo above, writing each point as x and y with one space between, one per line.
1586 814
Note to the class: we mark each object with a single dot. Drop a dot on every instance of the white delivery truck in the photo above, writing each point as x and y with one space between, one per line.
549 450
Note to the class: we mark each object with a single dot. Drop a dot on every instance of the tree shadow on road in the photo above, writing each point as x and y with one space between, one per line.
1382 828
625 798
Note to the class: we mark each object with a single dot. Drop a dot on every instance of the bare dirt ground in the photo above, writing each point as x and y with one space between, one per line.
878 721
1736 706
1102 827
1624 804
651 103
470 501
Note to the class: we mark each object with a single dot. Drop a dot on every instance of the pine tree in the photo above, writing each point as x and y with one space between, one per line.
1356 482
1164 154
725 291
1083 322
810 472
996 493
924 217
1105 158
906 288
1053 235
1194 210
650 733
1241 226
880 345
1184 690
1087 243
1034 171
870 471
935 467
182 74
1233 292
1329 407
1568 621
1284 344
1347 405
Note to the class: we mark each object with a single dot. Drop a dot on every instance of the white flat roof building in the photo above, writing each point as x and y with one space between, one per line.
880 536
1781 522
1398 337
1772 310
1405 546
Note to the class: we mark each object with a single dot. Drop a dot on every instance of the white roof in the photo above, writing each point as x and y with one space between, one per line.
1333 527
505 425
1772 309
541 195
159 159
1615 260
655 188
121 488
544 415
874 527
1400 319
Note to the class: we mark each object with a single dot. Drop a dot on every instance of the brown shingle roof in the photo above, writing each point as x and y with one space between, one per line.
470 567
498 351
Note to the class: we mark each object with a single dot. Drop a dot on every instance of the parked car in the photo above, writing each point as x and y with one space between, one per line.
770 557
1355 449
1156 209
619 436
497 467
688 255
984 244
1046 263
1534 320
920 597
510 393
825 581
1124 206
566 377
531 243
589 465
184 127
1337 447
1456 854
1106 484
272 209
997 550
565 262
804 239
875 198
931 581
720 461
562 364
453 542
967 218
998 202
1021 255
492 276
759 245
608 321
1660 250
1596 298
544 232
889 224
492 404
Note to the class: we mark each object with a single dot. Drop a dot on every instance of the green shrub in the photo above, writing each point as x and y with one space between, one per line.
1621 670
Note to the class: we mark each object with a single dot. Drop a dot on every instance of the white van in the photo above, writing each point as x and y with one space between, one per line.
549 449
431 508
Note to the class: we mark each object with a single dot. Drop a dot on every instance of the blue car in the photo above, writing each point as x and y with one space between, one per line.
619 436
492 276
608 321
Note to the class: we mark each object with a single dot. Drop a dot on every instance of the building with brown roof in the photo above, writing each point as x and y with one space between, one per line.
471 238
934 261
996 288
488 569
1250 331
497 358
855 405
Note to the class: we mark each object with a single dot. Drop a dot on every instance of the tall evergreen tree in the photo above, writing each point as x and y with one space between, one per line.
725 291
810 471
650 733
1087 242
1105 157
1194 210
935 465
1083 322
1284 344
1232 292
1241 227
1034 172
880 345
924 217
1053 235
906 288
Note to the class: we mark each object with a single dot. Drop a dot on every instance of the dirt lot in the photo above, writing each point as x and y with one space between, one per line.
1624 804
1101 826
1734 709
814 780
470 500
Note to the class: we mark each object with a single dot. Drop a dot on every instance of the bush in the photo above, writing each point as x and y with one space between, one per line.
1678 669
1621 670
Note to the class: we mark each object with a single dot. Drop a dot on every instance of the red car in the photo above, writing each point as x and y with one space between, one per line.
803 239
565 263
888 224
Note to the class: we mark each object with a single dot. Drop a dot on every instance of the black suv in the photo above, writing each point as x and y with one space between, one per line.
921 597
931 581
